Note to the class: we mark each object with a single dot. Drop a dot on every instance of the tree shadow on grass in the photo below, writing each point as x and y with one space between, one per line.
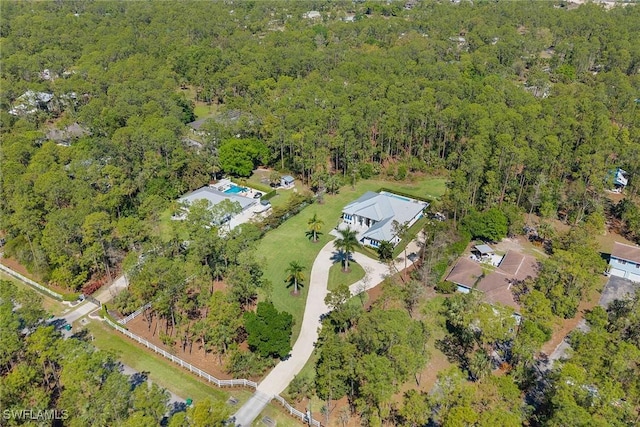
340 256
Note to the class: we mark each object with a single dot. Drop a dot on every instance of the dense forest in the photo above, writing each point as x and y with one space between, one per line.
41 371
525 107
525 103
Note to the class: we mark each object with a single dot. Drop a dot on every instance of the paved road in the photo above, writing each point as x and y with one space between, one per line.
280 377
251 410
107 294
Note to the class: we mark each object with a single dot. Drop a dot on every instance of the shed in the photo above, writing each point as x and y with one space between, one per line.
287 181
483 250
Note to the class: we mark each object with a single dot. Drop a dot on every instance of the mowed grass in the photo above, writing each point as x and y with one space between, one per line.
202 110
277 413
289 243
338 277
161 371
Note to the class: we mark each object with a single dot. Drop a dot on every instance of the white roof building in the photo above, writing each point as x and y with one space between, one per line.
373 216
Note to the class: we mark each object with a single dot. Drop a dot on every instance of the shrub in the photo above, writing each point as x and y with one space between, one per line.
446 287
402 172
367 170
270 195
490 225
269 330
299 388
71 297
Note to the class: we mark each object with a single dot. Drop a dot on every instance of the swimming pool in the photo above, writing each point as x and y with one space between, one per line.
234 189
395 196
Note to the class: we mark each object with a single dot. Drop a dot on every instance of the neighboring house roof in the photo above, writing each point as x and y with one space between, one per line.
288 179
626 252
620 178
465 273
496 285
32 97
214 196
483 249
196 125
72 131
518 265
384 208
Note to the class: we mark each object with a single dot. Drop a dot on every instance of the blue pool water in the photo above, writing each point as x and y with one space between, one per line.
234 189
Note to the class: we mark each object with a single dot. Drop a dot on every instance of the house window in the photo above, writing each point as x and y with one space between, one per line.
347 216
375 243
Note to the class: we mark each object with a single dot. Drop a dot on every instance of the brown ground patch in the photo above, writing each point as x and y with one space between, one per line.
208 362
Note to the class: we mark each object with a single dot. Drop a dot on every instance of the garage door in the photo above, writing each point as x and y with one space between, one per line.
634 277
616 272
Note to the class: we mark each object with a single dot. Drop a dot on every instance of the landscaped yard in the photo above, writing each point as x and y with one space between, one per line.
338 277
289 243
161 371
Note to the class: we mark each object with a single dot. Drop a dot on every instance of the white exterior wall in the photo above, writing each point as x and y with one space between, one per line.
625 269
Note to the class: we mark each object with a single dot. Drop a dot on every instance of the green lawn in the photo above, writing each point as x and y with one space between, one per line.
161 371
288 242
278 414
338 277
202 110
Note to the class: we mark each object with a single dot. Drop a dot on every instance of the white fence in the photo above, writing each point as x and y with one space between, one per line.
294 412
220 383
134 314
30 282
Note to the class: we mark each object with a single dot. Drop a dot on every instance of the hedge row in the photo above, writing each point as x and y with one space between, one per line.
270 195
411 196
280 214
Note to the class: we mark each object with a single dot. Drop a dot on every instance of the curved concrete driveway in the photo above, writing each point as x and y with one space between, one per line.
280 377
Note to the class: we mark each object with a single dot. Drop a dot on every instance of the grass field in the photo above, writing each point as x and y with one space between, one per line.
338 277
289 243
275 412
161 371
202 110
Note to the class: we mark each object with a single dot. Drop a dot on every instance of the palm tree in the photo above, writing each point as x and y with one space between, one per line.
347 242
315 225
295 275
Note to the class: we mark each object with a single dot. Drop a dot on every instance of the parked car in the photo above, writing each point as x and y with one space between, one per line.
257 195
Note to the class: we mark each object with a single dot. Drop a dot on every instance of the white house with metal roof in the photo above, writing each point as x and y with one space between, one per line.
249 206
372 215
625 261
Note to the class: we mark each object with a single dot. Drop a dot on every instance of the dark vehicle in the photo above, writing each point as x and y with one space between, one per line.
257 195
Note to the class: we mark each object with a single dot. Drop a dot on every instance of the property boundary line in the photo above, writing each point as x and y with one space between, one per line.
294 412
30 282
220 383
135 314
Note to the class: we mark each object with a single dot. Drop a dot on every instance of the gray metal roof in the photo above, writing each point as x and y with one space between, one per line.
288 178
483 249
384 208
